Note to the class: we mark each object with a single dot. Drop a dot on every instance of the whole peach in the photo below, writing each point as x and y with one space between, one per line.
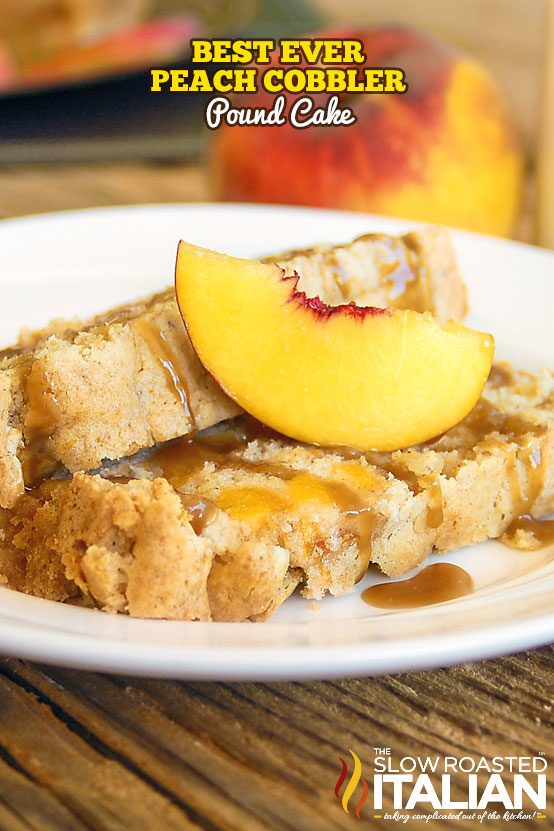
446 151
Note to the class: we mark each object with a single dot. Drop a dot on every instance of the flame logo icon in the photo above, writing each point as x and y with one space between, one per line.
353 783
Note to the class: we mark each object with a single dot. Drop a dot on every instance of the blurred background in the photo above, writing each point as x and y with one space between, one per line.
470 145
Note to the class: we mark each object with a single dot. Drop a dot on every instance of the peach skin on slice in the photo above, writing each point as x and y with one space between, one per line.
331 375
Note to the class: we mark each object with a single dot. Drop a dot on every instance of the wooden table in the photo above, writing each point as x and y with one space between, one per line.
83 751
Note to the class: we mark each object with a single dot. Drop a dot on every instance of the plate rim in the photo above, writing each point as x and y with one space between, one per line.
366 658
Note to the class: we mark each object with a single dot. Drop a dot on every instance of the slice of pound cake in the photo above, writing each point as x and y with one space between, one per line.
225 526
78 393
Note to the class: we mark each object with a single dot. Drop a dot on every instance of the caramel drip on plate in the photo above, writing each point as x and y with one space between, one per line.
434 584
171 361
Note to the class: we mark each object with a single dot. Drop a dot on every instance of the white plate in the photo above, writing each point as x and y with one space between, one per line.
82 262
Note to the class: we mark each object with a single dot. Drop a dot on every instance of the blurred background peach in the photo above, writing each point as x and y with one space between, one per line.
469 145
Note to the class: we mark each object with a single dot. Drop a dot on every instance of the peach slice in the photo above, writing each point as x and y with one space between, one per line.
344 375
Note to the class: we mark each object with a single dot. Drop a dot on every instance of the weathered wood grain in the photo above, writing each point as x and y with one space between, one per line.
82 751
123 753
35 189
93 786
38 188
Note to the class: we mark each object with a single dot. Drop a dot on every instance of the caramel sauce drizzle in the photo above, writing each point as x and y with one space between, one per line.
539 532
124 313
485 419
435 584
44 491
11 352
351 504
528 439
171 361
435 508
38 460
401 277
201 511
500 375
117 316
37 457
338 276
182 458
429 483
405 280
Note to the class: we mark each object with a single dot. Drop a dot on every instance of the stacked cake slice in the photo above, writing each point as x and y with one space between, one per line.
195 512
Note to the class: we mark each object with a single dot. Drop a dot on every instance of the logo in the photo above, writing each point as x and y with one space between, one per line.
353 782
427 788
